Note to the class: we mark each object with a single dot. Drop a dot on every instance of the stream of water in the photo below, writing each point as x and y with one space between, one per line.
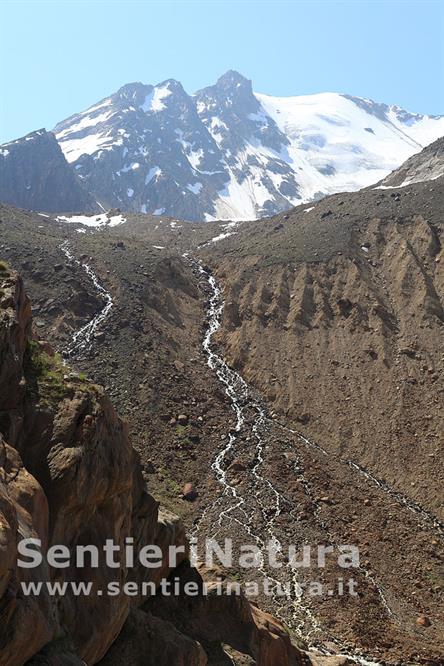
233 506
82 338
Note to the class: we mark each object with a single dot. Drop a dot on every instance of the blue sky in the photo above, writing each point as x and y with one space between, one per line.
59 57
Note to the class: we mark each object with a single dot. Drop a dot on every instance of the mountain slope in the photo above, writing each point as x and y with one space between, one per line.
345 297
346 143
34 174
229 153
333 312
70 477
427 165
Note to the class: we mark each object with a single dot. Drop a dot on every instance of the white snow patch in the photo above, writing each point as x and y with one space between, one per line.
195 189
130 167
159 211
194 157
154 172
420 178
153 101
93 220
85 121
259 117
90 144
216 239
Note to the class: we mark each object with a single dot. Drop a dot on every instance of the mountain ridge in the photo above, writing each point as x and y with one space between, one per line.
227 152
35 174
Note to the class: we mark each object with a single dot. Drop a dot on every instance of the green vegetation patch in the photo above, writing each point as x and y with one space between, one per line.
44 375
182 430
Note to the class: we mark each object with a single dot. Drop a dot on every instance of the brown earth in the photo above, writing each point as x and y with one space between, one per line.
334 316
337 317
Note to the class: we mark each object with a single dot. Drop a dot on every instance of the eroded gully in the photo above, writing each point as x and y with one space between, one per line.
236 510
83 337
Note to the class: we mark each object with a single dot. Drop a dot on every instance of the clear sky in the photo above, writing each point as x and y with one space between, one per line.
58 57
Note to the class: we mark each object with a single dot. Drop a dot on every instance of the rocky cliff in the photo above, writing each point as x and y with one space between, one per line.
35 174
70 476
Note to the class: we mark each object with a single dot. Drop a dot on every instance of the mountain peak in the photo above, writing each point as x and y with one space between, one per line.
171 84
232 79
222 153
36 134
129 89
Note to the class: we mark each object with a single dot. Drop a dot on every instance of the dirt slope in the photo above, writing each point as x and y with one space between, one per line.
336 315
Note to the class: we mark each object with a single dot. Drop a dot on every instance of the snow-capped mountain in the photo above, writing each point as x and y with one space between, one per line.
229 153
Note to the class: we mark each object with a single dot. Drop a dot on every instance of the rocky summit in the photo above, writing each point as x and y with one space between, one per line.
225 152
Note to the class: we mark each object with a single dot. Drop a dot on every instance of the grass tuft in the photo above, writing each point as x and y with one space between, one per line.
44 375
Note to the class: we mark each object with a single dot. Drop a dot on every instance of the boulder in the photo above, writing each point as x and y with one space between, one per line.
229 619
151 641
189 492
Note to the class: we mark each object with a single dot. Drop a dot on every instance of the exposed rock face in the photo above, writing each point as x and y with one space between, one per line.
83 467
150 641
14 333
252 146
27 622
221 617
427 165
35 174
70 477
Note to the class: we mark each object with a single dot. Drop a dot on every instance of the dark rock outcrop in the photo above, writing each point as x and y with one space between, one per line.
34 174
